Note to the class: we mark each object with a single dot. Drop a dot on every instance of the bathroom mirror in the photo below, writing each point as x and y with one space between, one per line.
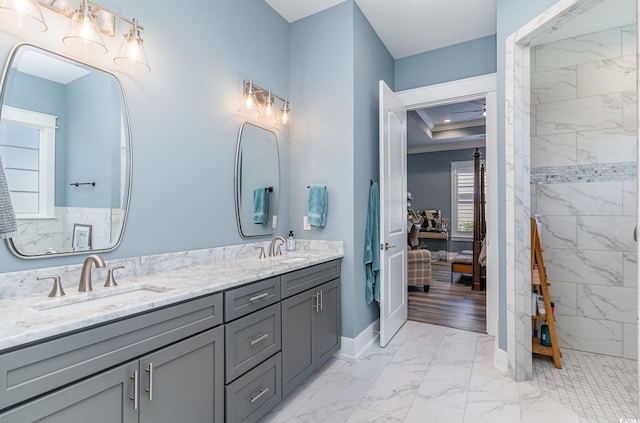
257 181
66 147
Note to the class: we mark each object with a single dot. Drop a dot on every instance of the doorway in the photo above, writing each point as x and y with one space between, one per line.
477 88
441 142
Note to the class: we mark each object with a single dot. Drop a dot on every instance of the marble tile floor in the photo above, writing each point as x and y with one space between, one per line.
433 374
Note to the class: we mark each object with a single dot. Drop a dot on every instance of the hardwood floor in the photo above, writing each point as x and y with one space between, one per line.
455 306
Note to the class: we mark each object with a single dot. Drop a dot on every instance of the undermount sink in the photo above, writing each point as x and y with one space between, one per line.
288 260
100 297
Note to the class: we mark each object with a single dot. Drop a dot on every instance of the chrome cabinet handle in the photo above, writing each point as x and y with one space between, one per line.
135 389
150 388
257 396
258 339
316 306
321 301
258 297
635 233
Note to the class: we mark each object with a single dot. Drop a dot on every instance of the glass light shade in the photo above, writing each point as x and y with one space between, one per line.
269 113
284 116
249 106
131 53
22 14
83 34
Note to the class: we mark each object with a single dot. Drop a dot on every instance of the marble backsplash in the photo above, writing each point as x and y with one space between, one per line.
18 284
583 185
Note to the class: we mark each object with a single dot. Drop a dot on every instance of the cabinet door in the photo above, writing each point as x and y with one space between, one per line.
104 397
185 381
298 333
328 322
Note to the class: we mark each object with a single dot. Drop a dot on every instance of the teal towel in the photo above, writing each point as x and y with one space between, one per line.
372 245
260 205
317 205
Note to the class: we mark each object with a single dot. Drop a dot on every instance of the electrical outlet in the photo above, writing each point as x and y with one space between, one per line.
305 223
275 222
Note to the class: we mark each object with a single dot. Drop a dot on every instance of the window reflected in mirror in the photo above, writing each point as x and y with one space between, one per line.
66 147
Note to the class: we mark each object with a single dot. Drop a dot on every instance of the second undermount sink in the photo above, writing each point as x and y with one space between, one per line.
287 259
101 296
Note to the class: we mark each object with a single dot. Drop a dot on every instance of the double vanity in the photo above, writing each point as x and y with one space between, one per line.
215 341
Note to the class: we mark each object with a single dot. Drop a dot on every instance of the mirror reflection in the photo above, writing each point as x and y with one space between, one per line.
66 148
257 181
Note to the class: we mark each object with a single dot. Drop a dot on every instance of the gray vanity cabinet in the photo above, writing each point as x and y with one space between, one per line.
104 398
310 332
183 382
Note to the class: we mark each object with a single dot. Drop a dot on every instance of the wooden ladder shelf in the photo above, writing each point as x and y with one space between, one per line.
537 265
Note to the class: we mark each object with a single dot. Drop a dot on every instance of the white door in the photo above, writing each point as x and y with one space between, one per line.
393 214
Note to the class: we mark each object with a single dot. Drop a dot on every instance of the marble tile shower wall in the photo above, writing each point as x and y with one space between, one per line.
583 185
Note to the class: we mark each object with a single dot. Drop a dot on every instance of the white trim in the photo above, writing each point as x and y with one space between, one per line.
353 348
449 92
500 359
46 126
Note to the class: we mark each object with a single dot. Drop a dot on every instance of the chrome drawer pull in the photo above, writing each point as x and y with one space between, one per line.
255 398
258 297
135 389
258 339
150 388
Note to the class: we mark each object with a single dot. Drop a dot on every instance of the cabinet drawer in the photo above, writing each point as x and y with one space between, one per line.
254 394
39 368
303 279
251 339
246 299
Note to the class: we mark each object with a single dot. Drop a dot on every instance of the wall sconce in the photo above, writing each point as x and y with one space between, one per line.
258 103
84 35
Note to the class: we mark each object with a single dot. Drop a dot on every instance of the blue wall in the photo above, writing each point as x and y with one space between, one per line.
464 60
184 119
372 63
336 136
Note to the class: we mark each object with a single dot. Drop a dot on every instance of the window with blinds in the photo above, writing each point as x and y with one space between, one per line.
27 141
462 199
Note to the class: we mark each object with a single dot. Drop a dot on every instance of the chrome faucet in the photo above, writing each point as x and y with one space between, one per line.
85 276
272 250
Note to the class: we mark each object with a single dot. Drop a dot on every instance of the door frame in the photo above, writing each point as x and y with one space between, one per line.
480 87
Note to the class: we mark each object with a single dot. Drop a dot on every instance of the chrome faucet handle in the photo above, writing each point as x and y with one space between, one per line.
110 279
262 254
57 290
279 250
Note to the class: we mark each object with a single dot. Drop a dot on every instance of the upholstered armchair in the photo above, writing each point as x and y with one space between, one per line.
419 268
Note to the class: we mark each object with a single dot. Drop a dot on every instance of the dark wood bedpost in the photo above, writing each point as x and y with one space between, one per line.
477 222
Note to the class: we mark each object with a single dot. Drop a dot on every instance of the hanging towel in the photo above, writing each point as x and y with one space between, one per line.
317 205
372 245
8 226
260 205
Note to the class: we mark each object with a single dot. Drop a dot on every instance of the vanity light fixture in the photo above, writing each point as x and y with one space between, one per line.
23 14
253 97
88 24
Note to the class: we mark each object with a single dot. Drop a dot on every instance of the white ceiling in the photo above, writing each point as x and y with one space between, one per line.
408 27
48 67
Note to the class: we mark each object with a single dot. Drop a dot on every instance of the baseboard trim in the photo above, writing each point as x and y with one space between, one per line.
353 348
500 359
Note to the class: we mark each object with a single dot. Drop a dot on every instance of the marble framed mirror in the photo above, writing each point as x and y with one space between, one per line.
65 142
257 181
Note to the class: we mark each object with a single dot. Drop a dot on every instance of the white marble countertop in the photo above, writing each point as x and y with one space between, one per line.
34 317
